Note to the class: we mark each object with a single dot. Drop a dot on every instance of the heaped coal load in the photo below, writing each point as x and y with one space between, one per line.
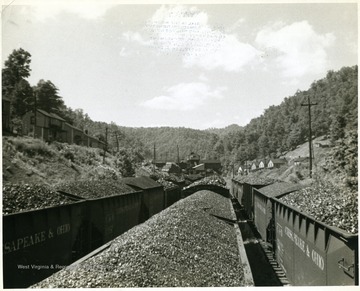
183 246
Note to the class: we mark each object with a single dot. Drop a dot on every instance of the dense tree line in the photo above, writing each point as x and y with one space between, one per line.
22 95
283 127
278 129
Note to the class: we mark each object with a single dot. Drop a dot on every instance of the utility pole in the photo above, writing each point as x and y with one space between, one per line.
154 160
105 146
35 111
309 104
178 155
117 141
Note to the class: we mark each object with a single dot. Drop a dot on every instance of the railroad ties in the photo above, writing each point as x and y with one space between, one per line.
264 269
274 264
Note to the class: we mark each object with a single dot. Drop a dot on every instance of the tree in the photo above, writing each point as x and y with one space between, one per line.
219 147
47 97
14 86
17 68
294 137
337 127
124 163
23 98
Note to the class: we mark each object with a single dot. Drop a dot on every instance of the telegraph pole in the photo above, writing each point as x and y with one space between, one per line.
105 146
309 104
154 160
35 111
178 155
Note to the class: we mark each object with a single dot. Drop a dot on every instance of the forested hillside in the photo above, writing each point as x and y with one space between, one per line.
283 127
280 128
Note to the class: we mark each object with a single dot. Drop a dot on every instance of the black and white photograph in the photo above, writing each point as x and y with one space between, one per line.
179 144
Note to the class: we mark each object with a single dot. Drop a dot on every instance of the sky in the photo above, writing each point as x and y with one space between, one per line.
184 65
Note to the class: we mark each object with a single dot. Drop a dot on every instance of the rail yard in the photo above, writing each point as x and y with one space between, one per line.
142 234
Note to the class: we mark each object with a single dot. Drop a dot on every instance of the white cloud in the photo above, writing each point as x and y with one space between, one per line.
185 97
203 78
178 29
186 31
301 50
240 22
123 52
136 37
231 55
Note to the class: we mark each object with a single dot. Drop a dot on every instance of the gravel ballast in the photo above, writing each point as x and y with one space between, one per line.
183 246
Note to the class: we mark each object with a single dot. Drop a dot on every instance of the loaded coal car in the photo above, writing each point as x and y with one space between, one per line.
42 236
183 246
244 191
172 192
38 242
153 200
311 252
263 207
318 228
112 207
213 183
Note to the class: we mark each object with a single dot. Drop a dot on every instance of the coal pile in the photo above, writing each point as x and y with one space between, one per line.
166 184
254 180
25 197
93 189
325 203
192 178
211 180
183 246
174 179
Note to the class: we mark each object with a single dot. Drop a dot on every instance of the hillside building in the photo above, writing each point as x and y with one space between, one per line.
51 127
171 168
160 163
44 125
213 165
193 159
276 163
262 164
207 166
300 160
254 166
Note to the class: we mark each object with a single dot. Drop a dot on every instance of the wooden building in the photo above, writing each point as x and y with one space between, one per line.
44 125
262 164
51 127
276 163
193 159
171 168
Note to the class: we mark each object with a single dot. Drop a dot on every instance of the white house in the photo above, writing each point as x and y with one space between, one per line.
262 164
253 166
